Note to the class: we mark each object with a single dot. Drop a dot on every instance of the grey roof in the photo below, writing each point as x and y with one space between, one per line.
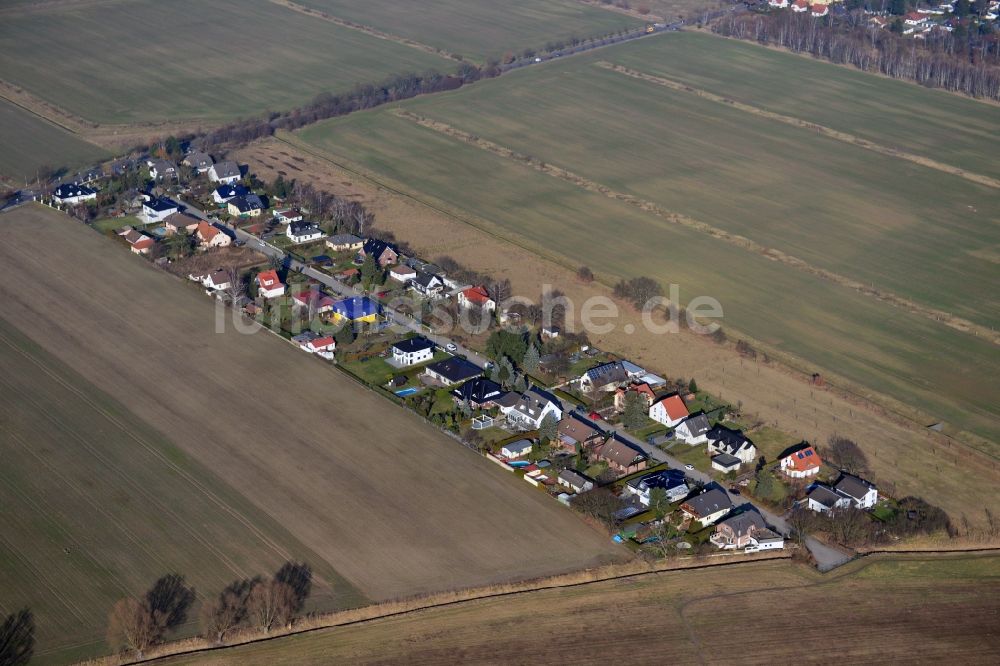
743 522
853 486
67 190
226 169
508 399
574 478
665 478
519 445
697 424
728 440
302 227
343 239
621 452
709 502
426 280
726 460
247 203
198 160
607 373
478 390
824 495
376 247
534 400
455 369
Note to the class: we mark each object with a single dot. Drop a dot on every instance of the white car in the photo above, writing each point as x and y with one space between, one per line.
452 347
689 467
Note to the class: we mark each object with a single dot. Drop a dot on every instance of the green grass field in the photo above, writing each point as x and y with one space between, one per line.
479 29
837 206
118 62
97 505
31 143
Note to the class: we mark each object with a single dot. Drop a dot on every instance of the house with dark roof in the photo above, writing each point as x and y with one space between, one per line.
225 193
160 169
303 232
863 494
480 393
248 205
708 507
383 253
427 284
693 430
452 371
620 456
344 242
726 463
225 172
746 530
574 431
181 222
200 162
576 482
533 407
155 209
412 351
731 442
72 194
604 377
821 498
671 481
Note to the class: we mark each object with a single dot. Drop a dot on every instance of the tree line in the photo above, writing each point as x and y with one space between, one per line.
959 61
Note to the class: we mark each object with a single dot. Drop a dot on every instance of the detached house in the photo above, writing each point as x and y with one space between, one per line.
576 482
225 172
480 393
644 390
427 284
606 377
269 285
669 410
383 253
248 205
746 530
476 297
533 407
723 440
518 449
140 243
160 169
303 232
452 371
800 461
412 351
288 215
693 430
181 222
226 193
574 432
819 9
157 210
322 347
344 242
863 494
73 194
620 456
356 309
402 273
200 162
209 235
671 481
216 280
822 498
707 507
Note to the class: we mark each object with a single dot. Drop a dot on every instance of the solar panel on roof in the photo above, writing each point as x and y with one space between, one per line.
801 456
808 453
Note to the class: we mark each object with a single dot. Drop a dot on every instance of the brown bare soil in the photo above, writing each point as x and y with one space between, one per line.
893 609
224 258
390 502
918 461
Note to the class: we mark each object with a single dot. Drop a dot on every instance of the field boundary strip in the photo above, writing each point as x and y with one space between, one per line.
829 132
933 314
366 29
330 621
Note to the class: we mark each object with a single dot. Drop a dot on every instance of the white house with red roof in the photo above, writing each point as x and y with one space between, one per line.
139 242
800 461
669 410
915 19
642 389
269 285
314 297
819 9
209 236
476 297
322 347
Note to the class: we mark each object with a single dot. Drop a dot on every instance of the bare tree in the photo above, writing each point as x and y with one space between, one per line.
271 603
298 576
501 290
237 289
228 611
130 625
847 455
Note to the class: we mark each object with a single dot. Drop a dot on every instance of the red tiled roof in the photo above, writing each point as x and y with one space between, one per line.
803 459
676 409
320 343
143 243
206 231
268 279
476 294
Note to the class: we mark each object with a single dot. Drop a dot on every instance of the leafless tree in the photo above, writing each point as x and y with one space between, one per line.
228 611
237 289
271 603
131 625
847 455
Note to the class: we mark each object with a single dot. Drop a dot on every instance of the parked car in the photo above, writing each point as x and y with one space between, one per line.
451 347
689 467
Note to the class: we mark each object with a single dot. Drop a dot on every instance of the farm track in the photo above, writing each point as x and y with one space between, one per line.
533 587
368 30
957 323
979 179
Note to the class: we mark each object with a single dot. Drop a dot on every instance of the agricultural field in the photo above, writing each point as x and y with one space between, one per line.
98 504
147 61
31 144
479 29
863 217
250 465
887 610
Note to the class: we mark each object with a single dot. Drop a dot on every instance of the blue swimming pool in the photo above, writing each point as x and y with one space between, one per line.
519 463
407 391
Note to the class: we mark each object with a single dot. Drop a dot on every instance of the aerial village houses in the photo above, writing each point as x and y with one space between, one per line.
72 194
518 449
269 285
848 491
140 243
574 432
723 440
707 507
605 377
574 481
181 222
226 193
427 284
200 162
382 252
344 242
225 172
216 280
211 236
160 169
800 461
693 430
322 347
748 531
313 299
642 389
669 410
356 309
402 273
476 297
412 351
247 205
671 481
